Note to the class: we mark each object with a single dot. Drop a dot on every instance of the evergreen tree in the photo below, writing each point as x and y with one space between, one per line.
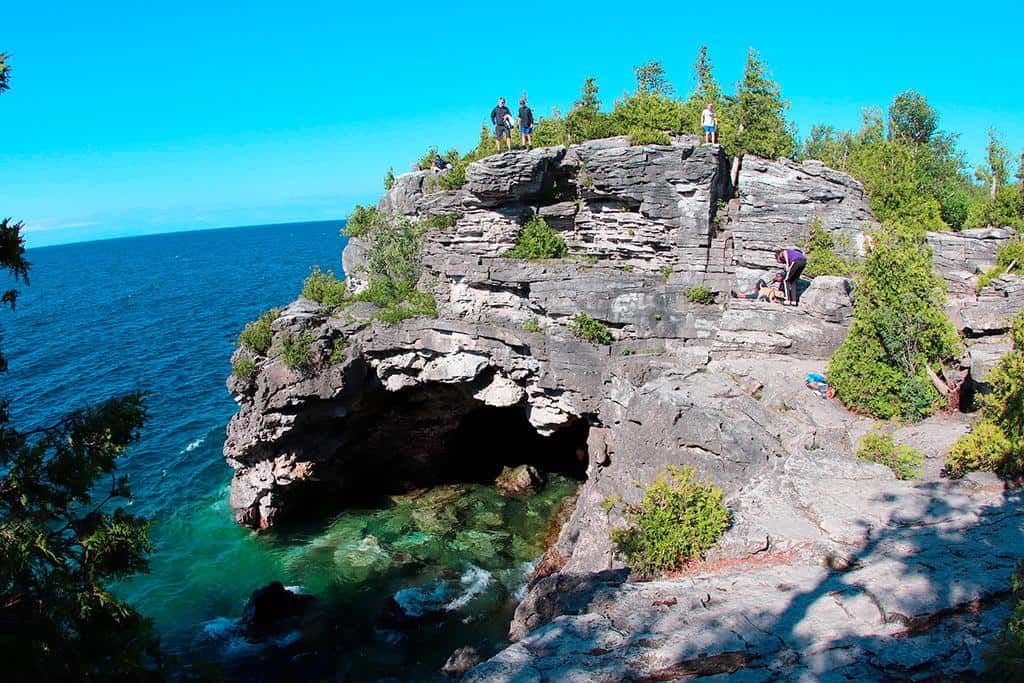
760 111
1020 182
589 101
585 120
650 79
650 108
59 544
899 331
706 90
998 169
911 119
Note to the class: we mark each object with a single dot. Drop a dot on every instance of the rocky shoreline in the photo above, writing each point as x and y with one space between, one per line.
831 565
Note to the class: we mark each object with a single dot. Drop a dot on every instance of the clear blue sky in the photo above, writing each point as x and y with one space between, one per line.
128 117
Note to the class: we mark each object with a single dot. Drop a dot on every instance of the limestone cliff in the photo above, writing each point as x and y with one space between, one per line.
718 386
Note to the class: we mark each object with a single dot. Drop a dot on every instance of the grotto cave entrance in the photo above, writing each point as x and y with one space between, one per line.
437 434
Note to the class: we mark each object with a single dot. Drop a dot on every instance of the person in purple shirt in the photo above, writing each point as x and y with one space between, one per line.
794 261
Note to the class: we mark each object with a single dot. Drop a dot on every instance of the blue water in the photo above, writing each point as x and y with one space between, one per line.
161 314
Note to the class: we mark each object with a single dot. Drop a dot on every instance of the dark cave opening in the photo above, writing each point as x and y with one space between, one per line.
432 435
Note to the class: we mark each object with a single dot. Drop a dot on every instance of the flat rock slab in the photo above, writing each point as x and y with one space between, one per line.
920 595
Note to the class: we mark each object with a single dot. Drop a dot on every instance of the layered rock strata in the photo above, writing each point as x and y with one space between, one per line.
718 387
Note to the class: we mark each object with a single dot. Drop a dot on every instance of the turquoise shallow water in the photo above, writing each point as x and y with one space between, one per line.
161 313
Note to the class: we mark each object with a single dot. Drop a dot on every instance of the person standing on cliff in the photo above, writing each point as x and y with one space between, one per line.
795 261
526 124
500 117
710 123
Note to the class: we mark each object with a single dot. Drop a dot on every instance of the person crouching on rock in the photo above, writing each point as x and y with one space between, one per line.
500 117
795 261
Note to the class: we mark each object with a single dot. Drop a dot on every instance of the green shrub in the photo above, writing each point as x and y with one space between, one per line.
415 304
648 136
426 161
393 268
904 461
700 295
258 335
393 252
337 351
666 273
899 329
443 221
295 351
532 325
676 520
647 111
588 329
538 240
389 179
361 222
823 252
324 288
996 443
1009 252
1006 660
550 131
985 448
1006 210
243 368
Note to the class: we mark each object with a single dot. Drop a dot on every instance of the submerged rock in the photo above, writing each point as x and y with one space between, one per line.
516 481
273 609
461 661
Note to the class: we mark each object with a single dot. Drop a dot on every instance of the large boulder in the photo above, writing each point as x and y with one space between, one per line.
960 256
780 199
995 307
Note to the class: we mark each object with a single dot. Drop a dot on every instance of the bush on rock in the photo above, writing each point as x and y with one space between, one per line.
904 461
996 443
676 520
824 255
258 334
324 288
899 331
591 330
538 240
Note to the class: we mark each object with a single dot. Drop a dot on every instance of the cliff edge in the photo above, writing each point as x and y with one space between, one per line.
717 386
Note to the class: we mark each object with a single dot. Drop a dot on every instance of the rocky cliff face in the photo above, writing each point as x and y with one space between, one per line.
717 386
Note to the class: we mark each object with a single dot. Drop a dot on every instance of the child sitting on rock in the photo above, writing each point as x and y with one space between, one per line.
768 291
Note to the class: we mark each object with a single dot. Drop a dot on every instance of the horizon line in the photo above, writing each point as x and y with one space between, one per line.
161 233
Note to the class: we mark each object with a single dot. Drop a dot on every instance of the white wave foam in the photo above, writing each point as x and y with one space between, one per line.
195 444
419 600
227 634
475 580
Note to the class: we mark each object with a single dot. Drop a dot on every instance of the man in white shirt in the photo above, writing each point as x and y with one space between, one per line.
708 120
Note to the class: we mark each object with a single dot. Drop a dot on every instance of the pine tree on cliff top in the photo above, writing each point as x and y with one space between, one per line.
760 111
706 89
59 546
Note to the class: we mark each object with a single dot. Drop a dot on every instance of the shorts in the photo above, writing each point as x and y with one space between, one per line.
501 132
525 130
709 129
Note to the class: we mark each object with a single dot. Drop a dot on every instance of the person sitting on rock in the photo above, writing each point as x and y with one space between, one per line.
767 291
439 164
795 261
